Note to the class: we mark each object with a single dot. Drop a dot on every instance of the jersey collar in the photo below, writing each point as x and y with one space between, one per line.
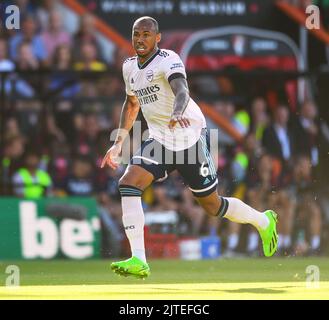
147 62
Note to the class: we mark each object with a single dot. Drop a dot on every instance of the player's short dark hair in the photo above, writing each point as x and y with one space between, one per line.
147 18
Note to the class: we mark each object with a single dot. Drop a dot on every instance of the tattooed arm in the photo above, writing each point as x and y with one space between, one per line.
182 96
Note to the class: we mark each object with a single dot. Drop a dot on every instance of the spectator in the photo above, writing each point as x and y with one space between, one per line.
62 59
44 10
88 60
278 138
86 34
246 158
25 58
109 200
244 164
162 201
65 84
112 235
55 36
308 212
227 110
12 153
259 117
87 138
51 133
192 212
11 128
26 61
282 202
30 181
80 182
306 132
60 161
28 33
260 180
266 190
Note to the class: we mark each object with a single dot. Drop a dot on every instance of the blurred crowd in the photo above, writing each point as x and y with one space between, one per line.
278 167
58 124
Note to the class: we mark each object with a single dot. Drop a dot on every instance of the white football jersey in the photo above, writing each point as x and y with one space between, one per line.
150 84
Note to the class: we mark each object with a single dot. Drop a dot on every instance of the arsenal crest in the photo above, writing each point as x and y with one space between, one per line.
149 75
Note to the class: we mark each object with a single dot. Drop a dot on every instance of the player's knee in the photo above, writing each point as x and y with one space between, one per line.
126 182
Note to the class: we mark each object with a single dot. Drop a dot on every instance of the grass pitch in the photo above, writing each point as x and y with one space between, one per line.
261 278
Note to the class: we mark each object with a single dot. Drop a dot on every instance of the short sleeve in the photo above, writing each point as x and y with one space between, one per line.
173 67
125 75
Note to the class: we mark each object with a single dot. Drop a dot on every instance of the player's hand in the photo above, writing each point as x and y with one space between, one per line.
110 156
182 120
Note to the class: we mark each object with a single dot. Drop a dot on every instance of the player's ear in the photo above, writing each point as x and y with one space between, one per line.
158 37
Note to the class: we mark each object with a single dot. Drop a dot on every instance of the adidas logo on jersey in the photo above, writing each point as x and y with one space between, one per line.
206 181
132 81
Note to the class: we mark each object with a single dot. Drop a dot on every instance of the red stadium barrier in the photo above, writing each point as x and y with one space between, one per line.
161 245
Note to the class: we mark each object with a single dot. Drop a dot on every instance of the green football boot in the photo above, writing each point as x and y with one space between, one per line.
269 235
131 267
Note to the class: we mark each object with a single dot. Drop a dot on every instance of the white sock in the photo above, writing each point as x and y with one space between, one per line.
232 241
315 242
252 241
133 222
238 211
